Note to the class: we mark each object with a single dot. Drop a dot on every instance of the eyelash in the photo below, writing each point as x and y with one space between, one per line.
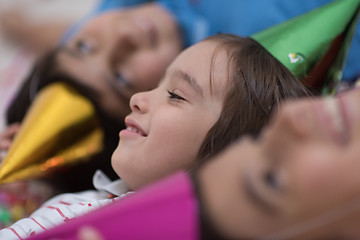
83 47
271 180
121 80
174 96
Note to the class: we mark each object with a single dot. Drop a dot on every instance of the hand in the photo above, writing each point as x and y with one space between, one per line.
89 233
86 233
6 138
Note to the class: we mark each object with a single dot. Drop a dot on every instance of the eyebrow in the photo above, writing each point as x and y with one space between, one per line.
258 200
190 80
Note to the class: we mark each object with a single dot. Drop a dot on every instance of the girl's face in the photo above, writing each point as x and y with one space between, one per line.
119 53
168 124
300 180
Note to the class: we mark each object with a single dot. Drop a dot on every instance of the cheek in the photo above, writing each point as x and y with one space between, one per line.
178 135
115 159
315 170
322 178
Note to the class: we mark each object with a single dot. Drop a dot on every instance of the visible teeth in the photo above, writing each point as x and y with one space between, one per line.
333 108
132 129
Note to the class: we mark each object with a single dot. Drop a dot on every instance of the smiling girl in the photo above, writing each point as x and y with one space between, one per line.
214 92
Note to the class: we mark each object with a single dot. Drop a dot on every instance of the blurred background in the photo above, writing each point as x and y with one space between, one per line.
16 59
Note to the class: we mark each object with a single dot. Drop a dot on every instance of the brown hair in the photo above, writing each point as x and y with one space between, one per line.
258 82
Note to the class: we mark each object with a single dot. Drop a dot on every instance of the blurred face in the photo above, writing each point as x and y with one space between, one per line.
300 180
168 124
122 52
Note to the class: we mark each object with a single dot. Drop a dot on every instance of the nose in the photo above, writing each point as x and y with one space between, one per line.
288 127
127 38
122 41
139 102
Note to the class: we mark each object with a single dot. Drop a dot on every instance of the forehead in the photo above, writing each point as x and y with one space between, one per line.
206 63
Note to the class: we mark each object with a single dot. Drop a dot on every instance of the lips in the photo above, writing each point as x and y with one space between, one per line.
133 127
135 130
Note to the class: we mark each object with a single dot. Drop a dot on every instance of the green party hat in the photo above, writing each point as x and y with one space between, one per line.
314 45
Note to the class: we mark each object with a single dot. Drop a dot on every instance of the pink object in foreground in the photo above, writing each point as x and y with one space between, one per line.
167 209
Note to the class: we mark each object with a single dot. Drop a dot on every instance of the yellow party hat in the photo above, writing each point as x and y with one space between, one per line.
59 129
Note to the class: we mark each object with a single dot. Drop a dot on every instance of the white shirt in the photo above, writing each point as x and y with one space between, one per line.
67 206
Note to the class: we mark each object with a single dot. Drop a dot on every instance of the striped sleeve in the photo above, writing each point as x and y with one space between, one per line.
54 212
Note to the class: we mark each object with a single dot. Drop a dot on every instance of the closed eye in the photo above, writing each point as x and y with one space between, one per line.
173 95
84 47
121 80
272 180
